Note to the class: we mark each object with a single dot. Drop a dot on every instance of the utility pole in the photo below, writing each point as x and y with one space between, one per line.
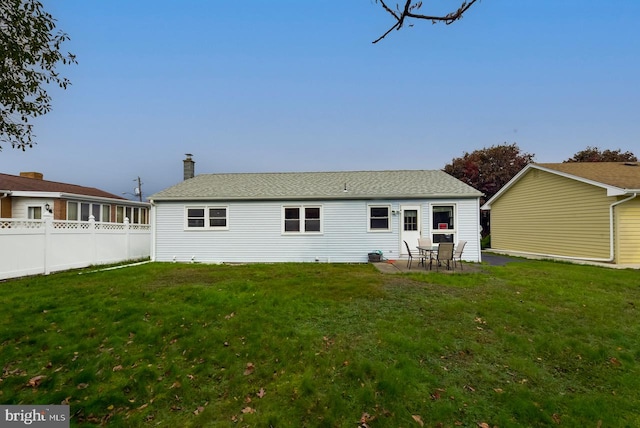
138 190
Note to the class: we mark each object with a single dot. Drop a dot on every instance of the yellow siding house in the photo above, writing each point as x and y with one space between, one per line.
579 210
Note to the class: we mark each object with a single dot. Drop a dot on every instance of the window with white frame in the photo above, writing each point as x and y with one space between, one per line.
72 211
106 213
204 217
34 213
302 219
96 212
443 223
119 214
83 210
379 218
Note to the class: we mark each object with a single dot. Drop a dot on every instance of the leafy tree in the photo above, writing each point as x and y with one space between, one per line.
594 154
410 11
487 170
30 52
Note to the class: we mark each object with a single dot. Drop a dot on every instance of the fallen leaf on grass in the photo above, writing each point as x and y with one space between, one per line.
231 315
82 386
436 394
249 369
248 410
483 425
556 418
364 419
261 393
616 362
117 368
36 381
418 419
199 410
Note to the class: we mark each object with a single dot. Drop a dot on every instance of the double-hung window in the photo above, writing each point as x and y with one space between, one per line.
379 218
72 211
34 213
207 217
302 219
443 225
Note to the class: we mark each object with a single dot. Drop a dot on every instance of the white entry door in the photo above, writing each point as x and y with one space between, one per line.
409 227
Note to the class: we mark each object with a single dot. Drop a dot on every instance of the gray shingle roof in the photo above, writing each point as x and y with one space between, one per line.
319 185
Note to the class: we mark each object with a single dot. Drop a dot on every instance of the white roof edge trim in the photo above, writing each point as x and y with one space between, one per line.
33 194
103 199
314 198
56 195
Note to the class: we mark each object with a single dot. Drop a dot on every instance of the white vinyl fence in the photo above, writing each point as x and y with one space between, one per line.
31 247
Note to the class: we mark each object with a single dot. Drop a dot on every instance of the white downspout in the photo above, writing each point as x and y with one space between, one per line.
152 221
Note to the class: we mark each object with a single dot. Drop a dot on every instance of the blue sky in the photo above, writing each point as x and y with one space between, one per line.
257 86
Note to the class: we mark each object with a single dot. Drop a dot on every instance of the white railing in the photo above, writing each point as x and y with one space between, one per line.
31 247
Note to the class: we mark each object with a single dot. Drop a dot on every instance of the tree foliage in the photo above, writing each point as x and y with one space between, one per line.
488 169
594 154
410 10
30 52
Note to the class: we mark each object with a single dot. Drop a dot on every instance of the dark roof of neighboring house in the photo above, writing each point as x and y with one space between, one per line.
625 175
319 185
15 183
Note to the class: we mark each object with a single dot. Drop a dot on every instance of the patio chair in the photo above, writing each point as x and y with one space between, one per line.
420 257
457 254
445 255
426 243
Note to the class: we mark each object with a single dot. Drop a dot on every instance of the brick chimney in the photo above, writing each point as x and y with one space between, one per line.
35 175
189 167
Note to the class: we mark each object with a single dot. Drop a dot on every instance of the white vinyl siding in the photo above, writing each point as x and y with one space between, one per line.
254 233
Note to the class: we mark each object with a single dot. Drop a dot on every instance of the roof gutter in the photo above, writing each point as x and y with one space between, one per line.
311 198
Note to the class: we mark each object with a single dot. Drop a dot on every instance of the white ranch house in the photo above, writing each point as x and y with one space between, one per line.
310 216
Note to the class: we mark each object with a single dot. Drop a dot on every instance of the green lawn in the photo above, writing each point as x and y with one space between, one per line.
533 343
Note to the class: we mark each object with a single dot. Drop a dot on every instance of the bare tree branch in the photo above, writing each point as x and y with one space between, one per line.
408 12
